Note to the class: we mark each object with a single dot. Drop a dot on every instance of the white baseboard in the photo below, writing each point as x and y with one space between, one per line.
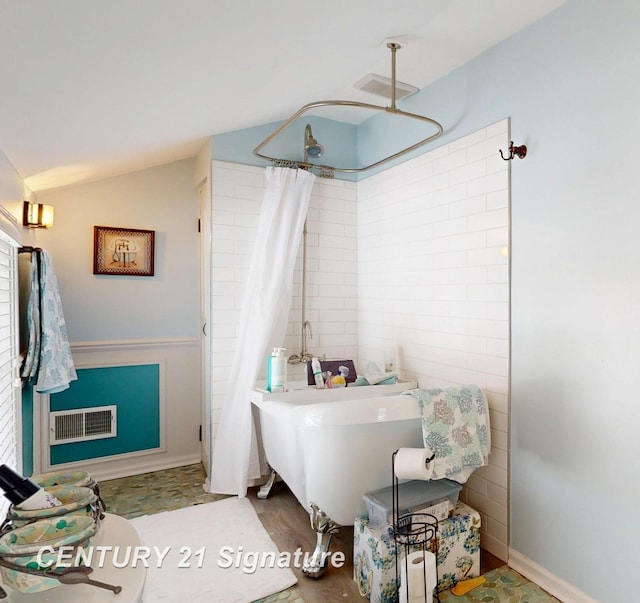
116 470
567 593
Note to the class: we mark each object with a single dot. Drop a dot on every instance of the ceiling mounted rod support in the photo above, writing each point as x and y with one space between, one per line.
393 46
519 152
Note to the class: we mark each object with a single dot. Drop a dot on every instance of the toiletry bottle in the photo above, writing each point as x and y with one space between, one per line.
327 379
317 373
277 371
23 493
340 380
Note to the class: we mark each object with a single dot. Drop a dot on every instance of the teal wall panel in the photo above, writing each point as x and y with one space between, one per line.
135 390
27 429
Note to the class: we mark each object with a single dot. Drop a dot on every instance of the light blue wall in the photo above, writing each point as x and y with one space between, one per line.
570 85
135 390
123 307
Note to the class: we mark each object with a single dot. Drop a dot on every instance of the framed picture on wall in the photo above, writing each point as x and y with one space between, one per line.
123 251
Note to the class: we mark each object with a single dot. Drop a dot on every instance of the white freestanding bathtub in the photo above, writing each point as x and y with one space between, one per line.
331 446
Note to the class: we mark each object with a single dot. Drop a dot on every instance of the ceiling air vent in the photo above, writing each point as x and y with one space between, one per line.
82 424
382 86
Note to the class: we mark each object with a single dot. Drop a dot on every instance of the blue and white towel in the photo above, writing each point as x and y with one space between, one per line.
56 368
455 426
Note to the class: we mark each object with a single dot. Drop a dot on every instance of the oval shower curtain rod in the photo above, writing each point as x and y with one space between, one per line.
393 46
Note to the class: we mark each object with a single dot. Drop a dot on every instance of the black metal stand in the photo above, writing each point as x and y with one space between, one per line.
411 532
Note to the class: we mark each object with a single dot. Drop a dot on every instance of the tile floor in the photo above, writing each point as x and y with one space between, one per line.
155 492
502 585
182 487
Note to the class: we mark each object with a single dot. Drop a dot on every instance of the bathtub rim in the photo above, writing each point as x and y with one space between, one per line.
360 411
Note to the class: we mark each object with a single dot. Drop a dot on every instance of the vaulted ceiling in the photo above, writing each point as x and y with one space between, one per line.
92 89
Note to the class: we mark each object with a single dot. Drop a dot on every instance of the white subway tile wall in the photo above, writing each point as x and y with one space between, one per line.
331 283
415 259
433 283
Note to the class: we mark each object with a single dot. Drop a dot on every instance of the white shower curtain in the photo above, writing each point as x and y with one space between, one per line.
263 322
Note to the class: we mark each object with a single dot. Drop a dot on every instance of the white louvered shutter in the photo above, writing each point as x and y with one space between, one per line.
8 359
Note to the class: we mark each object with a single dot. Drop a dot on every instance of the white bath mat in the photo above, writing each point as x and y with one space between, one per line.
215 554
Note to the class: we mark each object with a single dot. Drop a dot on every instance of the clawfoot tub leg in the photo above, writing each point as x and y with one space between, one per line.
316 565
265 489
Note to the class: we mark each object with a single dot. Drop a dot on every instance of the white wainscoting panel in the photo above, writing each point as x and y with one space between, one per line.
180 406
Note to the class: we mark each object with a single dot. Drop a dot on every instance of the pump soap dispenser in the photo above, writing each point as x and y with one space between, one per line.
277 371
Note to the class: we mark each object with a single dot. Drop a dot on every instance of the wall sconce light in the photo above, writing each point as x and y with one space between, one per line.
37 215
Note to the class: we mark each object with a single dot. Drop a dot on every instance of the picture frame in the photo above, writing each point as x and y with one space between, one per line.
123 251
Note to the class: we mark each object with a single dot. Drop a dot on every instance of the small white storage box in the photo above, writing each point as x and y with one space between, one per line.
435 497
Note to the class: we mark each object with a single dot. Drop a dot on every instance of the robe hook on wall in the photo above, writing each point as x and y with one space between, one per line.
520 152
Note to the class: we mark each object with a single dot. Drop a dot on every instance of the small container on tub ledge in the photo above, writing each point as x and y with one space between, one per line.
277 371
316 369
340 380
345 368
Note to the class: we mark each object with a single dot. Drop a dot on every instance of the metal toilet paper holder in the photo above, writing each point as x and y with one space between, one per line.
412 532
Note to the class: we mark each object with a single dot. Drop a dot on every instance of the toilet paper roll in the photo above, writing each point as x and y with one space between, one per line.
419 574
412 463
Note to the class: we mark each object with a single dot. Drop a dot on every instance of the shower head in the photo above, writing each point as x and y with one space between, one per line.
312 147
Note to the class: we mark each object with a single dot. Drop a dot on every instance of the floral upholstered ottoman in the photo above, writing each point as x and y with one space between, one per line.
457 556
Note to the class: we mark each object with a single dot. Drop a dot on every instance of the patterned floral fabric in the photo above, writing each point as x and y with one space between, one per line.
455 426
56 364
456 546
